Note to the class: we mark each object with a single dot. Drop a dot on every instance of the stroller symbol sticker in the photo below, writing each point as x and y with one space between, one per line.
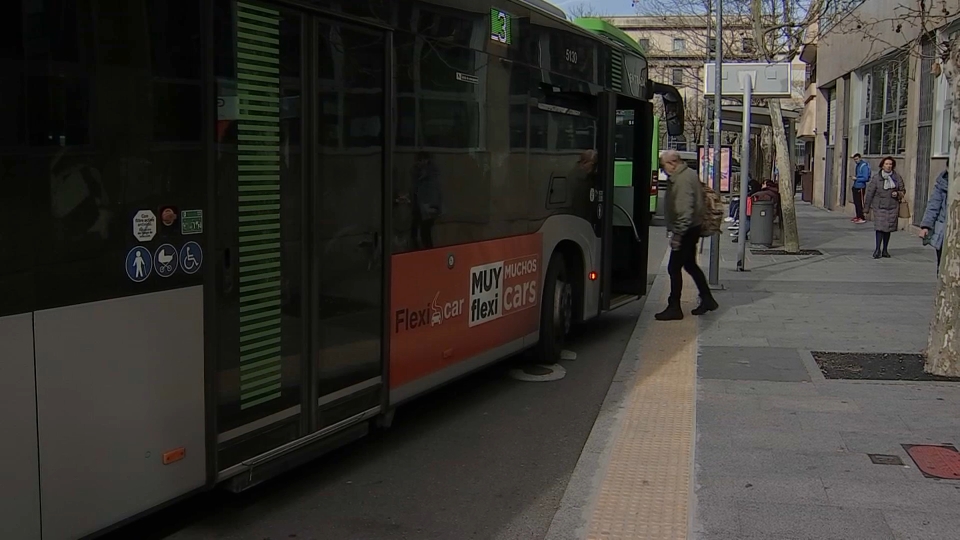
191 257
166 260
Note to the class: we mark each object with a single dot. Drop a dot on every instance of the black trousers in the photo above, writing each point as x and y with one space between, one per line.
939 254
685 258
858 194
421 231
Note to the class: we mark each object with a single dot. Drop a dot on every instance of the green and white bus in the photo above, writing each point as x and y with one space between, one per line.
623 172
240 233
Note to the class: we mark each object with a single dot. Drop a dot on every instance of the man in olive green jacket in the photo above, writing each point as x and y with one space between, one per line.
683 210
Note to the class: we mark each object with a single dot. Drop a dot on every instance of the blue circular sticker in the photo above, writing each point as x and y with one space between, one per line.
191 257
166 259
139 264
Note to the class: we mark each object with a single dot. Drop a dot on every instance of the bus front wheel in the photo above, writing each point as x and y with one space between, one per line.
556 313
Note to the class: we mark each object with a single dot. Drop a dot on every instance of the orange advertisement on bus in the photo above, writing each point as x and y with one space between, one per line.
450 304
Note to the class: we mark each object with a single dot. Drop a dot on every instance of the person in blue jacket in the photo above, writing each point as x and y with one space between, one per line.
934 222
861 178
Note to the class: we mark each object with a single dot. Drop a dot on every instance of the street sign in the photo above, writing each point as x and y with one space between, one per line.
769 80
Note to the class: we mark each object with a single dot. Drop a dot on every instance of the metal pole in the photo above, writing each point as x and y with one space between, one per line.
747 82
714 277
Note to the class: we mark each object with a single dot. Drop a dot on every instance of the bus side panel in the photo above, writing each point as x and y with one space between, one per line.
19 476
455 304
120 391
558 228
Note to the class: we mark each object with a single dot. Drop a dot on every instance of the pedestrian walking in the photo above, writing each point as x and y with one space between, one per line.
934 223
861 178
884 193
684 210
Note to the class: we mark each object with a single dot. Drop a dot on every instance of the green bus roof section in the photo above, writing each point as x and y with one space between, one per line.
602 27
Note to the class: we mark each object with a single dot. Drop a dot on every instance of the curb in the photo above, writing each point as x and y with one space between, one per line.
572 518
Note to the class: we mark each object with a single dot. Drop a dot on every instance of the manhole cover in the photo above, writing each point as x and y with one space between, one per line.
935 461
539 373
801 253
885 459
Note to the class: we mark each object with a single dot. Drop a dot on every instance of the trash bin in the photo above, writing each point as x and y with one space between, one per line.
761 223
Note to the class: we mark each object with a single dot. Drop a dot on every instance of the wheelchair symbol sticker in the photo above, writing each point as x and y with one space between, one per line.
191 257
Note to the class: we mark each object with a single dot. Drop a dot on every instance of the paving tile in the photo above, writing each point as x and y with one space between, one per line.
770 439
810 404
916 525
933 496
866 421
747 419
767 388
715 515
779 488
812 522
751 363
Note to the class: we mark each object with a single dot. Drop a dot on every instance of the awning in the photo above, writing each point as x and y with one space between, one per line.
807 127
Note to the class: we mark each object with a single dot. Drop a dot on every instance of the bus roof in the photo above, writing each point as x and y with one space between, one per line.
609 31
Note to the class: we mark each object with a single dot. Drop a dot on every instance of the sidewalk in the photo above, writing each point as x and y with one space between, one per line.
774 450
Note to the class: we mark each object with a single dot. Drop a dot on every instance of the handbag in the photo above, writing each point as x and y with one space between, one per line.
904 211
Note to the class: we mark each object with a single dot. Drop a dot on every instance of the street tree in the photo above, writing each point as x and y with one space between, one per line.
768 30
779 27
584 9
906 29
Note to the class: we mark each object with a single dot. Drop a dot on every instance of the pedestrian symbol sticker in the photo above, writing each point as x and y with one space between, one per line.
191 222
139 264
191 257
144 225
167 260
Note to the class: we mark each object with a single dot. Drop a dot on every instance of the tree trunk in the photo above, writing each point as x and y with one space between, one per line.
791 236
943 348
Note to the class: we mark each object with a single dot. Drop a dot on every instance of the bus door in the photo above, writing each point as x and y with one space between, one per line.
299 228
627 221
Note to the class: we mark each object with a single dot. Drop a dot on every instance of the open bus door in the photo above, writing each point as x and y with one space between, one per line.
626 215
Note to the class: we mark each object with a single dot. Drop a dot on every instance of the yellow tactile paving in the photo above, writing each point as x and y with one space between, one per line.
645 491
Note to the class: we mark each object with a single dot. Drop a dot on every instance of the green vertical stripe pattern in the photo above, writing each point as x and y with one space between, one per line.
258 178
616 70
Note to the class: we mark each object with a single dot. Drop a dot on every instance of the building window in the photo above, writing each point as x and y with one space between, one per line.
677 76
679 44
644 44
885 108
712 45
943 106
747 45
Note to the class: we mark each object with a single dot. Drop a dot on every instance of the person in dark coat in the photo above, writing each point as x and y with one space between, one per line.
934 224
884 193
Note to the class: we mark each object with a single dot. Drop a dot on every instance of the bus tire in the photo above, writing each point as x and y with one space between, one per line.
556 312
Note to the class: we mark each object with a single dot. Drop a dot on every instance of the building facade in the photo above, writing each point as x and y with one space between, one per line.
677 48
875 93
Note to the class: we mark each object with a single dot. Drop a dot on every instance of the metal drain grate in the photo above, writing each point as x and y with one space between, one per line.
885 459
801 253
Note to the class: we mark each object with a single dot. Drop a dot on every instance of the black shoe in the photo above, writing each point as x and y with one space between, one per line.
876 254
707 305
672 313
885 254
